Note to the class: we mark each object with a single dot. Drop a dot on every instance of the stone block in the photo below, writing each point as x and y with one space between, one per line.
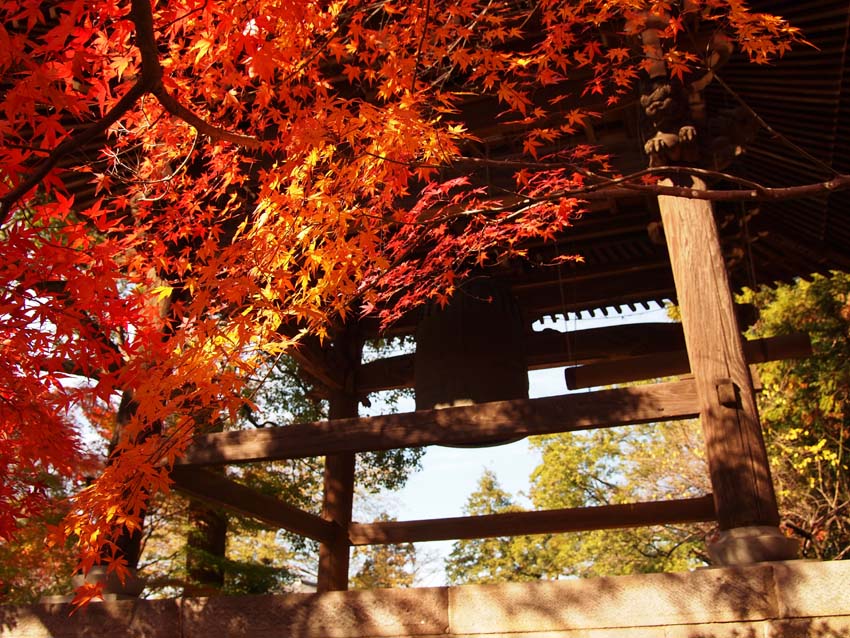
757 629
354 614
813 588
704 596
130 619
756 544
834 627
609 632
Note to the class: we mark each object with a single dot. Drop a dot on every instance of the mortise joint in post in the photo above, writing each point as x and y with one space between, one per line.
728 394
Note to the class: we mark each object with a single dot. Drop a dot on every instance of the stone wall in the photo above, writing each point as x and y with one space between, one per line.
771 600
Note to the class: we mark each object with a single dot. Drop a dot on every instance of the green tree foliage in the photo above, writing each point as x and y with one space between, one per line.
29 569
616 466
491 560
805 410
256 560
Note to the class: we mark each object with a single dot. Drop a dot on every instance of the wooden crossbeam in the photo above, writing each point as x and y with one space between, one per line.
481 423
220 491
666 364
545 349
550 348
579 519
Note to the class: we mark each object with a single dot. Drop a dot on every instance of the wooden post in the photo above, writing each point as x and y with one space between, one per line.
339 472
740 476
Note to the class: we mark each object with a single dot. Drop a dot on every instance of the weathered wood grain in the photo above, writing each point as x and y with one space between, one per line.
462 425
740 475
544 349
221 491
666 364
338 497
544 522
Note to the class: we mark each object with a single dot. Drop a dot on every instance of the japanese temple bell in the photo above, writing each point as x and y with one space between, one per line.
472 350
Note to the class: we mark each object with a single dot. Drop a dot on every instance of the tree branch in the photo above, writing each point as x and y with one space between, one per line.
142 16
79 138
170 104
622 187
421 44
615 189
756 193
150 81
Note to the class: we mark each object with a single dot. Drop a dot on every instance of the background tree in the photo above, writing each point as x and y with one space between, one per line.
242 556
490 560
384 565
585 469
30 569
805 409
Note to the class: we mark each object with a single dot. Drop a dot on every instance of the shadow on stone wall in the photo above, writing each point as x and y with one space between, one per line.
782 600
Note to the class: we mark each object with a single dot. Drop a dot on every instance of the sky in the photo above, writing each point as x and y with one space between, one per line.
449 475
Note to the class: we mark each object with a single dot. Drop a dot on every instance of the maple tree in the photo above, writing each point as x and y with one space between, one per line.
190 187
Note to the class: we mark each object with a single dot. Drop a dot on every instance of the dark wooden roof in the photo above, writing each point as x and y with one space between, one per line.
804 98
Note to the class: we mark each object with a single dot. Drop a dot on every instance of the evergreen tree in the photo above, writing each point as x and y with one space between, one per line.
585 469
805 411
384 565
611 466
489 560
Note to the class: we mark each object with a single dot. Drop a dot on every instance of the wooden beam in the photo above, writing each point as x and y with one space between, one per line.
694 510
547 348
551 348
311 358
740 474
637 283
667 364
223 492
462 425
389 373
335 554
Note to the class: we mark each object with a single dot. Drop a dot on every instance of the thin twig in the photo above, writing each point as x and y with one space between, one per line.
622 187
74 142
421 44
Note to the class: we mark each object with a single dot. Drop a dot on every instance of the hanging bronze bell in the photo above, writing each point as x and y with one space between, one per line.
472 350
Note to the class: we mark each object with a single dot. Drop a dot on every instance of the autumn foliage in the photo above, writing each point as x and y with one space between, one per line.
189 187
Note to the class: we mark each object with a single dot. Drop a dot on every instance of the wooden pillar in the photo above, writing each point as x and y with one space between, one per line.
339 472
740 476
